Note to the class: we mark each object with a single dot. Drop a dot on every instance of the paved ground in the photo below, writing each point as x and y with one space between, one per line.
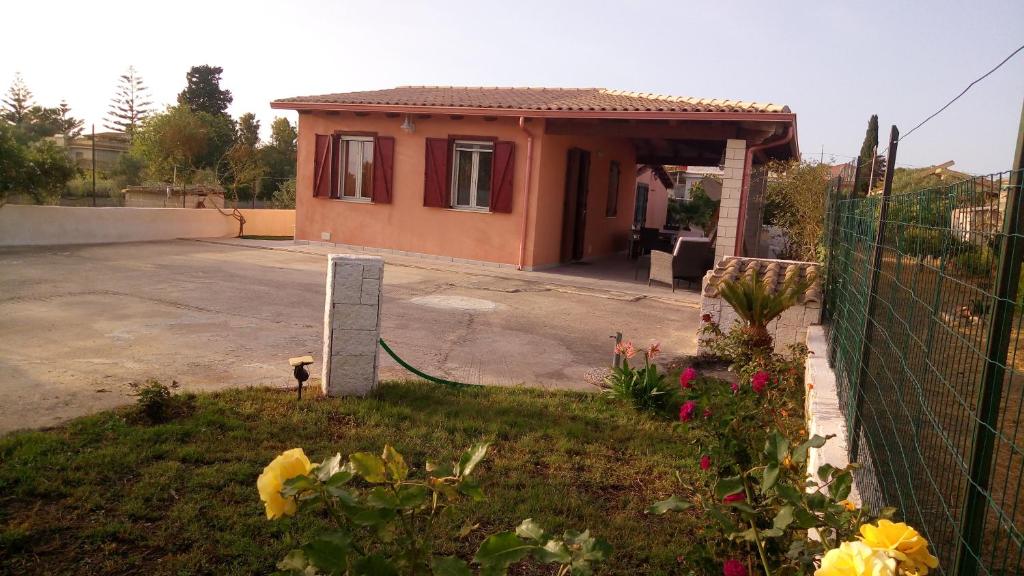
78 324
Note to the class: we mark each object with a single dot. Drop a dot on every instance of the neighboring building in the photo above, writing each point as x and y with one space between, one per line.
109 148
525 177
684 178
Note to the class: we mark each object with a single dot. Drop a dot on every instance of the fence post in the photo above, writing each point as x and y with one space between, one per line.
883 214
991 393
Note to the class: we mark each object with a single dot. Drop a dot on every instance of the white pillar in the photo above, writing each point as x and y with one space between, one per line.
351 324
729 208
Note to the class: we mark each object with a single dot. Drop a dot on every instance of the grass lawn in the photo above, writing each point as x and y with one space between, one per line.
106 494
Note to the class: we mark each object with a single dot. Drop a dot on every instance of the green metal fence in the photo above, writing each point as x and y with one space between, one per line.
925 339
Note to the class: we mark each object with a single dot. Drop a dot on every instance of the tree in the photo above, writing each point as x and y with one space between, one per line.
203 93
130 104
279 154
244 159
182 138
128 171
41 169
868 151
17 102
795 201
70 126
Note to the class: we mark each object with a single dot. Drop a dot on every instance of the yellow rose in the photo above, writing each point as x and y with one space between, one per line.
856 559
850 506
902 543
289 464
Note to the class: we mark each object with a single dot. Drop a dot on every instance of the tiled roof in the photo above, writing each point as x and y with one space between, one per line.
774 273
546 99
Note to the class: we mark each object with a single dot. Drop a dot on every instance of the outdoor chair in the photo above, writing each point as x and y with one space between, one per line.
689 261
650 239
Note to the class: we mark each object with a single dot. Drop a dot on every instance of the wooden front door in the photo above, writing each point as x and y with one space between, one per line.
577 187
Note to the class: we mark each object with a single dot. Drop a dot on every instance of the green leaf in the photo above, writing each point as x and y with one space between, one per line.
449 566
800 454
374 565
381 497
470 458
326 469
673 504
294 561
371 516
816 501
841 486
472 489
296 484
743 507
339 478
776 448
497 552
440 470
788 493
805 518
771 475
825 472
727 486
397 469
750 535
771 533
329 552
412 496
783 518
369 466
530 530
554 552
723 519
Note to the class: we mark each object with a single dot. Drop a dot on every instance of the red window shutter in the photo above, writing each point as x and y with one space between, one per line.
322 166
435 180
504 159
383 169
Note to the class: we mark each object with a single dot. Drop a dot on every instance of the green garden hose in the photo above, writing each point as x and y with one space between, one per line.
418 372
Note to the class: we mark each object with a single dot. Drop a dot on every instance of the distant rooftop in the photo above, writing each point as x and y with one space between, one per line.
533 99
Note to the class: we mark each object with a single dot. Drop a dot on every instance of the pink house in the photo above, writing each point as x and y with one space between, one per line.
521 177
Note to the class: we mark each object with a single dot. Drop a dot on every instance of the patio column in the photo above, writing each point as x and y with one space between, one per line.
729 208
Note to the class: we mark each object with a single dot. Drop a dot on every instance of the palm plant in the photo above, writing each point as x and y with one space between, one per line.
757 305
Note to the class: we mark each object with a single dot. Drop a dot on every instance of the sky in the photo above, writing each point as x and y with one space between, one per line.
834 63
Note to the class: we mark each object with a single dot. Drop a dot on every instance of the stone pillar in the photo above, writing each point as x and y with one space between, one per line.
729 208
351 324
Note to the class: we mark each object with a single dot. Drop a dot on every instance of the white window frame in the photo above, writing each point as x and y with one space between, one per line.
343 167
474 177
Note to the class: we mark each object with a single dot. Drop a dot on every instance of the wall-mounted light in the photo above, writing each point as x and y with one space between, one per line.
408 125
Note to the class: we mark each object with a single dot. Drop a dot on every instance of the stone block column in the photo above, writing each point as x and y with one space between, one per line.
351 324
729 208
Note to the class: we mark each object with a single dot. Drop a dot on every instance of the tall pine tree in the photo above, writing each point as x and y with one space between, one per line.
18 102
70 126
203 93
129 105
867 152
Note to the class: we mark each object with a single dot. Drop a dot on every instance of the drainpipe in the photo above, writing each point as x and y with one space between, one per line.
748 163
526 193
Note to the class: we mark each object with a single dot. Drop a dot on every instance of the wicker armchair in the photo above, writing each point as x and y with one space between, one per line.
689 261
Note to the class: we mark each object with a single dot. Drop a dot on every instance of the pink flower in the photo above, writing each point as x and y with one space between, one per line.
625 349
654 350
705 462
706 318
759 381
707 413
734 568
735 388
737 497
686 410
687 377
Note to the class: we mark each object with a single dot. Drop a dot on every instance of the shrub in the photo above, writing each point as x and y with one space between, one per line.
157 402
383 518
757 306
646 388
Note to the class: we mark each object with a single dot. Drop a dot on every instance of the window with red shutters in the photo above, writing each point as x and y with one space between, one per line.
435 179
383 169
322 160
501 176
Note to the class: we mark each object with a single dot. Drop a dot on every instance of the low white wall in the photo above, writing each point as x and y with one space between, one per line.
821 409
52 225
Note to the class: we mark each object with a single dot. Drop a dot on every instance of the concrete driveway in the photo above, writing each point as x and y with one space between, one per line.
79 323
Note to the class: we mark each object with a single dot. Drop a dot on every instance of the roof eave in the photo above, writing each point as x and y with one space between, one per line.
754 116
